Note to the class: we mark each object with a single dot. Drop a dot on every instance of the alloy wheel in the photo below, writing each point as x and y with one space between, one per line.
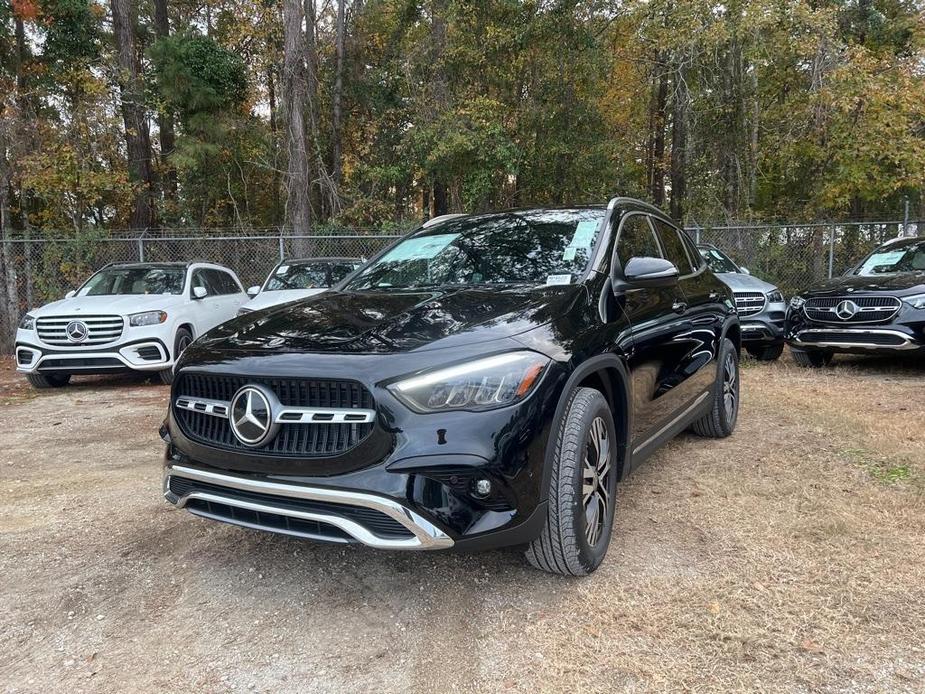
730 387
596 480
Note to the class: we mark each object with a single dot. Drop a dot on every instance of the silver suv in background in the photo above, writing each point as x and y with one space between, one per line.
761 306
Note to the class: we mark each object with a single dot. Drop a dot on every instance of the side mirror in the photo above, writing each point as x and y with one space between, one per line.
200 293
253 291
650 272
71 294
745 270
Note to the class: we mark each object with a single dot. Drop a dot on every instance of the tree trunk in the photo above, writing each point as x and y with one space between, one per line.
165 118
337 96
137 136
440 99
679 146
9 294
657 174
297 219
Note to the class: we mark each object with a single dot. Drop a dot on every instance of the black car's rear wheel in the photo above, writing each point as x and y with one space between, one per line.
811 358
765 352
48 380
720 421
582 490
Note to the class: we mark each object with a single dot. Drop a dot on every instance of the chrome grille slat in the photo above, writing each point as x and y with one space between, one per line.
871 309
750 303
100 330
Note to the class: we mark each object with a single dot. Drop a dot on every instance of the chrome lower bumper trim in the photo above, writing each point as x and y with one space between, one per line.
859 344
426 534
38 357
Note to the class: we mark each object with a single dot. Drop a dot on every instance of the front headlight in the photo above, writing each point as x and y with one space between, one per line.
138 320
27 322
797 302
917 301
775 297
483 384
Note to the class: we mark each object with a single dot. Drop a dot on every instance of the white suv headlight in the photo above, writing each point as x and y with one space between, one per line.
916 301
137 320
797 302
483 384
27 322
775 297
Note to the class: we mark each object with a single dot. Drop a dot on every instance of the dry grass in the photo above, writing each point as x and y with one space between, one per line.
787 558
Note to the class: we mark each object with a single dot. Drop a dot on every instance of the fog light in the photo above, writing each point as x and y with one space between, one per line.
482 487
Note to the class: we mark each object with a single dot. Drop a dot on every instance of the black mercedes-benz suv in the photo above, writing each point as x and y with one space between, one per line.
877 307
486 381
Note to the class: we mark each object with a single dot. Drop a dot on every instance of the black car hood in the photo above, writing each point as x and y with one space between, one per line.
392 321
902 282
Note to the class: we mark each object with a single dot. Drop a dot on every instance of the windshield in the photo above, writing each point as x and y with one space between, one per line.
717 260
135 280
539 248
889 260
314 275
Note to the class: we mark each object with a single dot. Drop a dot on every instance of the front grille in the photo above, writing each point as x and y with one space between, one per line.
24 356
100 330
872 309
750 303
833 336
51 363
268 521
296 440
375 521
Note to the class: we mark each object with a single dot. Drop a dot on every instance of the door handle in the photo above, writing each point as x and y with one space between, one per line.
679 307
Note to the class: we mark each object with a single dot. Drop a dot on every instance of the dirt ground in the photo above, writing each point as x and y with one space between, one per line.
789 557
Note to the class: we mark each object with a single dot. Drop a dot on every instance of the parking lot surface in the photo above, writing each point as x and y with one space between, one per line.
789 557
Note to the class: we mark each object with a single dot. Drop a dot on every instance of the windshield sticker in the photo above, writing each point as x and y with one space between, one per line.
569 253
282 269
552 280
420 248
584 234
882 259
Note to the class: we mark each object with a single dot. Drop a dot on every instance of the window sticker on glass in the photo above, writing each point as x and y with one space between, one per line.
282 269
553 280
420 248
878 259
569 253
581 239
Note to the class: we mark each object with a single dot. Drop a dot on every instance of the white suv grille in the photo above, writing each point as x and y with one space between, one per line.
750 303
99 330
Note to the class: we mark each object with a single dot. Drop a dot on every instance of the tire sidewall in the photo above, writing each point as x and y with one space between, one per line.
724 421
591 557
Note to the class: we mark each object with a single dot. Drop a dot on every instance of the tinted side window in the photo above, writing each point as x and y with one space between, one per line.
674 247
200 279
221 282
637 240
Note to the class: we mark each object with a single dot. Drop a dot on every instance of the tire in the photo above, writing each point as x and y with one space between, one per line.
43 381
577 532
720 421
180 342
811 359
766 352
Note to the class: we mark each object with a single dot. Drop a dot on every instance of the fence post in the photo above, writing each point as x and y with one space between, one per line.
831 250
141 248
282 252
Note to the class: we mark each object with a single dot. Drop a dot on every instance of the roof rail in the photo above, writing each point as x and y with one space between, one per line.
442 218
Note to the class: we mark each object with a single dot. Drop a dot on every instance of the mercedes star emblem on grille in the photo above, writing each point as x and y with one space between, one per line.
846 309
77 331
252 416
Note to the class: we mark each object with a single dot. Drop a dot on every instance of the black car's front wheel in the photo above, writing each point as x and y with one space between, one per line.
811 358
582 489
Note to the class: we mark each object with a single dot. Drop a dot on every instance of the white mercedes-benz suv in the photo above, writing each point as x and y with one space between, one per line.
126 317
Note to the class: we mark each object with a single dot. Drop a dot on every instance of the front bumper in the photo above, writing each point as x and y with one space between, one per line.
318 513
143 355
904 334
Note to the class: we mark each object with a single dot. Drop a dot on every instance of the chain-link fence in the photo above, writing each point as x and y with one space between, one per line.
797 256
792 256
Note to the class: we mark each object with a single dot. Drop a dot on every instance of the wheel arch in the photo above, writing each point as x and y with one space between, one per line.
608 374
188 326
733 331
